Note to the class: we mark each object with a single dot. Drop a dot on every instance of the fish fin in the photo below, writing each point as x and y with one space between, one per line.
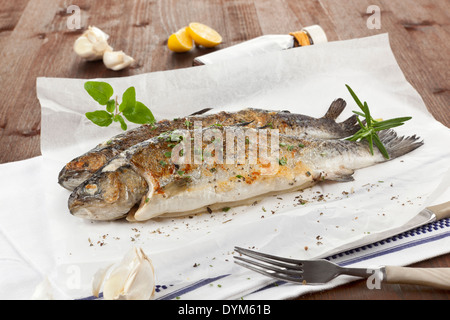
351 125
176 186
200 112
344 175
335 109
398 146
130 216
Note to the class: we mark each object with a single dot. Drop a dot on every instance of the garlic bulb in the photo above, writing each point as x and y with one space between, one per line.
116 60
92 44
132 279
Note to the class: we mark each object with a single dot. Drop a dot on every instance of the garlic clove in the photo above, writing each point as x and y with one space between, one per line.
43 291
140 285
132 279
116 60
97 34
98 280
92 44
114 284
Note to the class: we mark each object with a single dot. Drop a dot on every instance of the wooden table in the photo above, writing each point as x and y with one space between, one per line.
35 41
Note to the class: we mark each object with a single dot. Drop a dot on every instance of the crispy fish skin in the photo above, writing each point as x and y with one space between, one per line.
173 189
84 166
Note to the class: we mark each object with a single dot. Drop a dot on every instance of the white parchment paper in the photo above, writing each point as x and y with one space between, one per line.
303 80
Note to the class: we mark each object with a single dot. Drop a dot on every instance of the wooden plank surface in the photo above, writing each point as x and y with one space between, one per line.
35 41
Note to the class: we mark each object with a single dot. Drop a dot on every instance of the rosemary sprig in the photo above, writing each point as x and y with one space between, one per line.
369 130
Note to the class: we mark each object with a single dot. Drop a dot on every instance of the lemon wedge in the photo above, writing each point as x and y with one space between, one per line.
180 41
204 35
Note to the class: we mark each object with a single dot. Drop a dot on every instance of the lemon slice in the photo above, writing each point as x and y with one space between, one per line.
180 41
204 35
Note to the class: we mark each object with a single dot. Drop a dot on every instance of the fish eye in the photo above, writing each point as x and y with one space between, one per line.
90 189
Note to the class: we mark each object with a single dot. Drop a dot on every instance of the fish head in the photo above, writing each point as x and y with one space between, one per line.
80 169
108 195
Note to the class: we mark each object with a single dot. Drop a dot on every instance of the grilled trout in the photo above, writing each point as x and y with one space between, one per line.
82 167
176 175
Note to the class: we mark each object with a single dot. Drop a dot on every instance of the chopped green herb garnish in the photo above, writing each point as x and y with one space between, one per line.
168 154
282 161
163 163
301 145
239 176
226 209
180 172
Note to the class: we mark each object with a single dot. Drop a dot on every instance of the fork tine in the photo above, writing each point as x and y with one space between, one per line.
274 260
275 275
272 267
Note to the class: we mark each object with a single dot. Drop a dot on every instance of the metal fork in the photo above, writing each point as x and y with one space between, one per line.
322 271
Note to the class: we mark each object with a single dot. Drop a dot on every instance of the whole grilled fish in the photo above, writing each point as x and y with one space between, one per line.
155 176
82 167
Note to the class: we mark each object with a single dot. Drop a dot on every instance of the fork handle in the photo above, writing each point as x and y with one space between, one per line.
433 277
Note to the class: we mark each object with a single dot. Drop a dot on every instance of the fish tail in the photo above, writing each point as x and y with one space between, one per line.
398 146
335 109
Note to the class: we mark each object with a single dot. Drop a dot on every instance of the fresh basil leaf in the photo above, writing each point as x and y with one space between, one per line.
111 106
140 114
100 117
128 101
100 91
123 125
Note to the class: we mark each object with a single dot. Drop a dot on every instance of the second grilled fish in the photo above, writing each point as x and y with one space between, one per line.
149 175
